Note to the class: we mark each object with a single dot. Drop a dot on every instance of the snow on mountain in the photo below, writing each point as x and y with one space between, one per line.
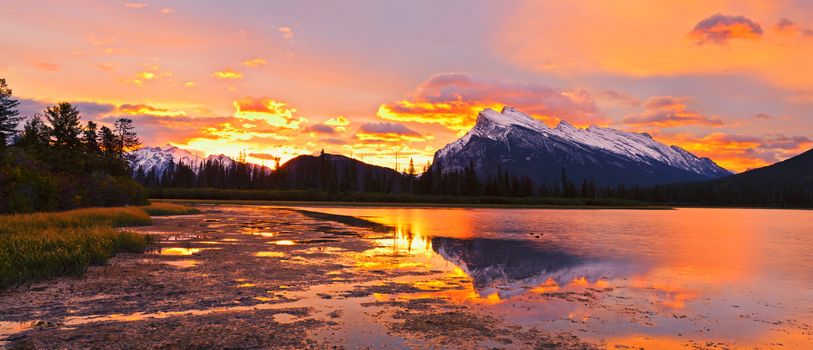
158 158
512 138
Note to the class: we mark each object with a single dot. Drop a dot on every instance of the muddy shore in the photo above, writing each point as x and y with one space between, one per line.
253 277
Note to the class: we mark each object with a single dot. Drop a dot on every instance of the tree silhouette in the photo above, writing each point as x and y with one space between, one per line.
8 114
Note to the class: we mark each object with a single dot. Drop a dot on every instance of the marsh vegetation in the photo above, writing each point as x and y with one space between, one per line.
42 245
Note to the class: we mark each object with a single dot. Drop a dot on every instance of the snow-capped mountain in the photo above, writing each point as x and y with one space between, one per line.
158 158
524 146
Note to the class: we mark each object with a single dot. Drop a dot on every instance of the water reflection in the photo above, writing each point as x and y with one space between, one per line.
624 277
511 267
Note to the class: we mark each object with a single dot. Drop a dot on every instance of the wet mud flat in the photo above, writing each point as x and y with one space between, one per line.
259 277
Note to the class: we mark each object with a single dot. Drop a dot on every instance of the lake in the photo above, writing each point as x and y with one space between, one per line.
656 278
237 276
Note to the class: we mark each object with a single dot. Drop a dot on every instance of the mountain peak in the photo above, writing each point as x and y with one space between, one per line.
565 126
515 140
509 116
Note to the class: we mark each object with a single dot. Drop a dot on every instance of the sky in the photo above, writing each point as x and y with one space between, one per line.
729 80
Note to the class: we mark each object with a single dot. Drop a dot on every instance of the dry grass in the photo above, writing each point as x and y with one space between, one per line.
164 209
42 245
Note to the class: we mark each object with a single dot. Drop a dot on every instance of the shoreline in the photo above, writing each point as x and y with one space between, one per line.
323 204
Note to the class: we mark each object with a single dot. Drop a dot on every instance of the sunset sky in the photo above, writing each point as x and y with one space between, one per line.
730 80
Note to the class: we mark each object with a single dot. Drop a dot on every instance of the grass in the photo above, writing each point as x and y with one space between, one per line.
164 209
42 245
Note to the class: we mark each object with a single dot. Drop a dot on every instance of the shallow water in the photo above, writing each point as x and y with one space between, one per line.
664 278
448 278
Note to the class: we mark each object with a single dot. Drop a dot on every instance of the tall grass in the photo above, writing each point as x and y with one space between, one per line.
164 209
42 245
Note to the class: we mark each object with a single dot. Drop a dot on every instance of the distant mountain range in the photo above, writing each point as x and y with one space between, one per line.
157 159
524 146
301 172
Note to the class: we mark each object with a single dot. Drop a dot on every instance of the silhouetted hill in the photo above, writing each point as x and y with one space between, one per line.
785 184
798 168
332 172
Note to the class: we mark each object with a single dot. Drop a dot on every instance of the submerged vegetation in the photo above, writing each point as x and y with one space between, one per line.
42 245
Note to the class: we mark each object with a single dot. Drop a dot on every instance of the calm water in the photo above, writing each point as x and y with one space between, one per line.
652 278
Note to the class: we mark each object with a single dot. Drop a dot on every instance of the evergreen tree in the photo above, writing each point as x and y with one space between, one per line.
65 153
35 135
112 157
90 137
411 174
126 135
65 126
8 114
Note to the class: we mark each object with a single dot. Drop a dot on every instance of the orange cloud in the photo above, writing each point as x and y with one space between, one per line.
254 62
667 112
167 11
47 66
272 112
227 74
453 101
149 110
739 152
287 32
789 28
621 98
389 132
151 72
720 29
320 129
135 5
338 121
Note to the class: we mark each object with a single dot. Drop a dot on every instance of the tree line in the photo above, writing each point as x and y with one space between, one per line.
56 162
338 174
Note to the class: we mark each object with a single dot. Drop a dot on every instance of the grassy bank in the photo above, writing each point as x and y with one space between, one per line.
42 245
366 198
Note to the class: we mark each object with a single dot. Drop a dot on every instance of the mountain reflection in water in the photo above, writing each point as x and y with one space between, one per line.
511 267
651 279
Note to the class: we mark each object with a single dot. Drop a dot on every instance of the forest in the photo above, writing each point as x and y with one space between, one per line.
56 162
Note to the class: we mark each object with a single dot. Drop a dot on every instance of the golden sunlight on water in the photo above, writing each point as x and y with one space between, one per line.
283 242
638 278
179 251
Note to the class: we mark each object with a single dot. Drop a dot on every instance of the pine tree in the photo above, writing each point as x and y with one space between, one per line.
90 137
65 153
35 134
126 135
8 114
65 126
411 174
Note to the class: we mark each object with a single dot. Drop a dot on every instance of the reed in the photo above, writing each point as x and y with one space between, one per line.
165 209
42 245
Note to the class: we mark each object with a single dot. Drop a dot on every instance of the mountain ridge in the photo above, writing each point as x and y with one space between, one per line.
521 144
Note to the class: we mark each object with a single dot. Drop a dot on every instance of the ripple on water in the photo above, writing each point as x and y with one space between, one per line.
270 254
